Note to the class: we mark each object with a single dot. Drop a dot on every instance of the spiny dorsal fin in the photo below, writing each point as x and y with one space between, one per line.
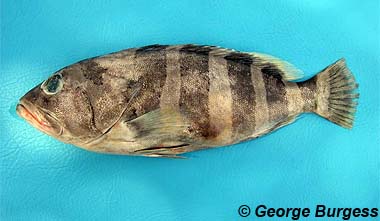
271 64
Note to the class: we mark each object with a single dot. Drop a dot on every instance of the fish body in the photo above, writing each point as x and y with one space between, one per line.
161 100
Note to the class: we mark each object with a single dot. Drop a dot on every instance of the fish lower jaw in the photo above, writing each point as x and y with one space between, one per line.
34 119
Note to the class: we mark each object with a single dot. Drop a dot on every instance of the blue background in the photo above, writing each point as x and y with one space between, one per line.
309 162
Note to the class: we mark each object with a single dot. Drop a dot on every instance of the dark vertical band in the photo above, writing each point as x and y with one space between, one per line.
243 93
276 94
195 84
150 63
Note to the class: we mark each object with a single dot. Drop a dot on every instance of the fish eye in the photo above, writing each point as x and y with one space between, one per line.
52 85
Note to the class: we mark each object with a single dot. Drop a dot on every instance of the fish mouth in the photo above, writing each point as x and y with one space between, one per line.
39 119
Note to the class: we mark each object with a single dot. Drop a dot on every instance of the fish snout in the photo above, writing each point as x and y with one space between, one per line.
38 118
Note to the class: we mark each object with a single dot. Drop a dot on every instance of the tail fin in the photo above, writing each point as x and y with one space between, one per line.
336 96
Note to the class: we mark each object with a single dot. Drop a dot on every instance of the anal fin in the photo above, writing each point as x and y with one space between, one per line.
271 127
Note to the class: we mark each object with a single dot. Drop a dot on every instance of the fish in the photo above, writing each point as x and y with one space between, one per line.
167 100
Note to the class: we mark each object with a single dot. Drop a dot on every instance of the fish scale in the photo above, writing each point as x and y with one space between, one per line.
162 100
243 93
195 86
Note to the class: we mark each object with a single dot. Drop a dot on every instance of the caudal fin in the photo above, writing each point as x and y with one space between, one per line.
336 96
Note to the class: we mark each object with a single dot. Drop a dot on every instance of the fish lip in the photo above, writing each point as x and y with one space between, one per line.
33 115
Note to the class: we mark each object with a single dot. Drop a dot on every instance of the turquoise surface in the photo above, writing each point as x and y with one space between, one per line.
304 164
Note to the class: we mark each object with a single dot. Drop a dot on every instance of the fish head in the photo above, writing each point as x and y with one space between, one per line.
61 107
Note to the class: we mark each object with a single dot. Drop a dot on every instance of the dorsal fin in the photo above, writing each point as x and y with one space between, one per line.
287 71
271 64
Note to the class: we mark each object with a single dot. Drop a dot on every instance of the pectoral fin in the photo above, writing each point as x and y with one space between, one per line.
159 123
160 132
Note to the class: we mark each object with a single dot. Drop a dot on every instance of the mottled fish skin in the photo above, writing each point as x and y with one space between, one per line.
219 97
195 86
243 93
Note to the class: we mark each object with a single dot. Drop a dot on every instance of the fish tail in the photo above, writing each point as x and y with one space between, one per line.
334 94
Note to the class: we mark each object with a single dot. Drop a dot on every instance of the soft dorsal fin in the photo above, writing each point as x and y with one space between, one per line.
287 71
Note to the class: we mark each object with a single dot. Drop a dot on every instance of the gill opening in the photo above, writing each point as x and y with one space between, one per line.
98 138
